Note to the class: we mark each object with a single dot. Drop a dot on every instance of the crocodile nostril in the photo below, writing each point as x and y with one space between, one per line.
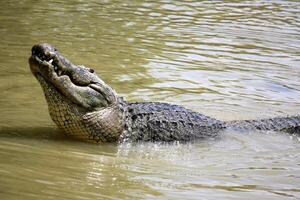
40 55
38 51
91 70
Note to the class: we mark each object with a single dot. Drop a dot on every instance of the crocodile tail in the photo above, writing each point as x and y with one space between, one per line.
290 124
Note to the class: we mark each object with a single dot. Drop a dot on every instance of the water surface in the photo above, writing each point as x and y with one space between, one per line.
227 59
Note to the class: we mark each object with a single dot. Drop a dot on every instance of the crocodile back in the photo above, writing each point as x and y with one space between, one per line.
166 122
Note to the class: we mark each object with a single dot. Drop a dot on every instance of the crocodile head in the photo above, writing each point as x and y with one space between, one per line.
78 100
77 83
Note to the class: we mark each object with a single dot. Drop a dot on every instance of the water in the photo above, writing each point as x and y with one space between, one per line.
227 59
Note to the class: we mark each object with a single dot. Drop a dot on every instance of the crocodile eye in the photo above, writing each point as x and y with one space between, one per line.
91 70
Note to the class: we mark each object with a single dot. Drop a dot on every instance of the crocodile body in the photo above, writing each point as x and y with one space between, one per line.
84 106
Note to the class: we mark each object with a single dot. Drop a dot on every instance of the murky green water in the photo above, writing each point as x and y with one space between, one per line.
227 59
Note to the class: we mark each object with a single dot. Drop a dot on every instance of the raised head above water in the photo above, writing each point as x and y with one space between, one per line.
83 105
78 83
74 93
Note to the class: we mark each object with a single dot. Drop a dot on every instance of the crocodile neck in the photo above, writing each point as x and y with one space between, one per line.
77 122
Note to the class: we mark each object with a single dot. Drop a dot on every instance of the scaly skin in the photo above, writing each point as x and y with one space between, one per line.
84 106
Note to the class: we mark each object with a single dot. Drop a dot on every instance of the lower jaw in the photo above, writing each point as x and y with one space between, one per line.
48 87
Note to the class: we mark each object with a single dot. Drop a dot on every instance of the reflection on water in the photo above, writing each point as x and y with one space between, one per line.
51 168
228 59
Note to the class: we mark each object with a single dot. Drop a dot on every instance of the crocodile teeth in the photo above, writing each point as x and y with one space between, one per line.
59 72
55 68
50 61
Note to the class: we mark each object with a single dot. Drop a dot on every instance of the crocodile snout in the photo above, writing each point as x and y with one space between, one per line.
43 51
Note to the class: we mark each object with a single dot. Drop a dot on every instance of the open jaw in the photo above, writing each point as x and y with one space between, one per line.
78 84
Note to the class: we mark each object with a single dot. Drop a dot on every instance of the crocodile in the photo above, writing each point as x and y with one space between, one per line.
84 106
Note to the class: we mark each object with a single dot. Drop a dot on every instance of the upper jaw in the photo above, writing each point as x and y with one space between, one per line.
45 60
78 83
